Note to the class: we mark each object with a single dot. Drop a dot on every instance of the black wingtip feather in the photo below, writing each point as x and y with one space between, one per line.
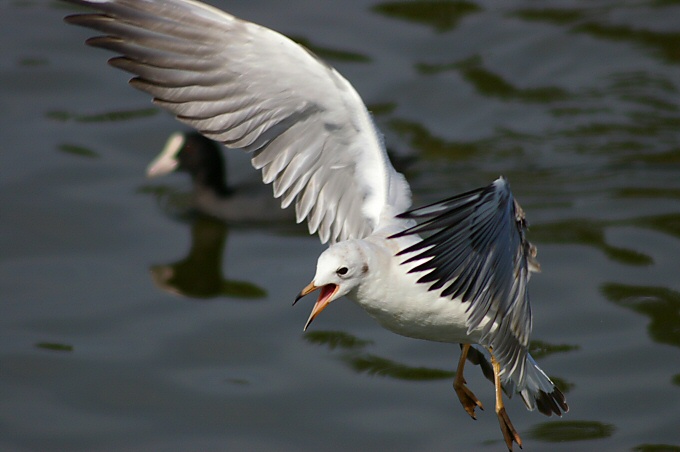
477 253
553 403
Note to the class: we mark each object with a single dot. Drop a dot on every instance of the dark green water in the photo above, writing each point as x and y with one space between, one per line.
576 102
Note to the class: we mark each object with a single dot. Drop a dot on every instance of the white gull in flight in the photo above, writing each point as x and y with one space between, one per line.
309 132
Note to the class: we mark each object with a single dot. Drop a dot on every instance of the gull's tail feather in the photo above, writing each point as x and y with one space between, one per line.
538 390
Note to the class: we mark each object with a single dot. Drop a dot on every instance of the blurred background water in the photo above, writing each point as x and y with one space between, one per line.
127 325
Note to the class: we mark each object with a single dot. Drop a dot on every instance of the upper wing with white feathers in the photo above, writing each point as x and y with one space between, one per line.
252 88
477 252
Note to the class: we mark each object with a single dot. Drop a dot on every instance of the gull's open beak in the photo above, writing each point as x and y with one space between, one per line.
325 298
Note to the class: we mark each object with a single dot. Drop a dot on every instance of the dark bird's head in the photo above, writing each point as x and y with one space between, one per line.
195 154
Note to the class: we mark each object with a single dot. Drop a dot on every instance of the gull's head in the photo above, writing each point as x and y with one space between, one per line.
339 270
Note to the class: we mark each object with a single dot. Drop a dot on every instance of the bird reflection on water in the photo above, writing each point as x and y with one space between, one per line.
200 274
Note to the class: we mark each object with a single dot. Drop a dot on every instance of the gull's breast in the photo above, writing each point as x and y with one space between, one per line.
402 305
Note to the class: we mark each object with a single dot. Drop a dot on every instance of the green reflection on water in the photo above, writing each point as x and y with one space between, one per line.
336 339
491 84
663 3
676 379
664 45
632 81
332 54
562 384
80 151
671 156
656 448
382 108
33 61
586 232
660 304
551 15
111 116
442 15
577 111
562 431
371 364
375 365
242 289
592 232
649 101
55 347
540 349
619 129
423 140
668 224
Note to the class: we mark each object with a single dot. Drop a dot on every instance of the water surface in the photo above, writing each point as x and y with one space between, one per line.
126 325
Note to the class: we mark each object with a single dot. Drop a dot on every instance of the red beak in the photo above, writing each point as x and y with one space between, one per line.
325 297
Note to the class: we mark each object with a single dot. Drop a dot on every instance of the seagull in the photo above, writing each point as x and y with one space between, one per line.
455 271
202 159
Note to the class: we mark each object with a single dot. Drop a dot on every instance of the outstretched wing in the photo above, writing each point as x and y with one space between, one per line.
477 253
249 87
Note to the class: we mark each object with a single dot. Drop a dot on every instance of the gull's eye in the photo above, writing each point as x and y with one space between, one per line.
342 271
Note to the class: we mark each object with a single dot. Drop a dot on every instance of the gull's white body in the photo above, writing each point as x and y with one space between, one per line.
312 137
392 296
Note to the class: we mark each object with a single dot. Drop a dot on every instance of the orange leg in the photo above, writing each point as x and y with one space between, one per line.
467 398
509 432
